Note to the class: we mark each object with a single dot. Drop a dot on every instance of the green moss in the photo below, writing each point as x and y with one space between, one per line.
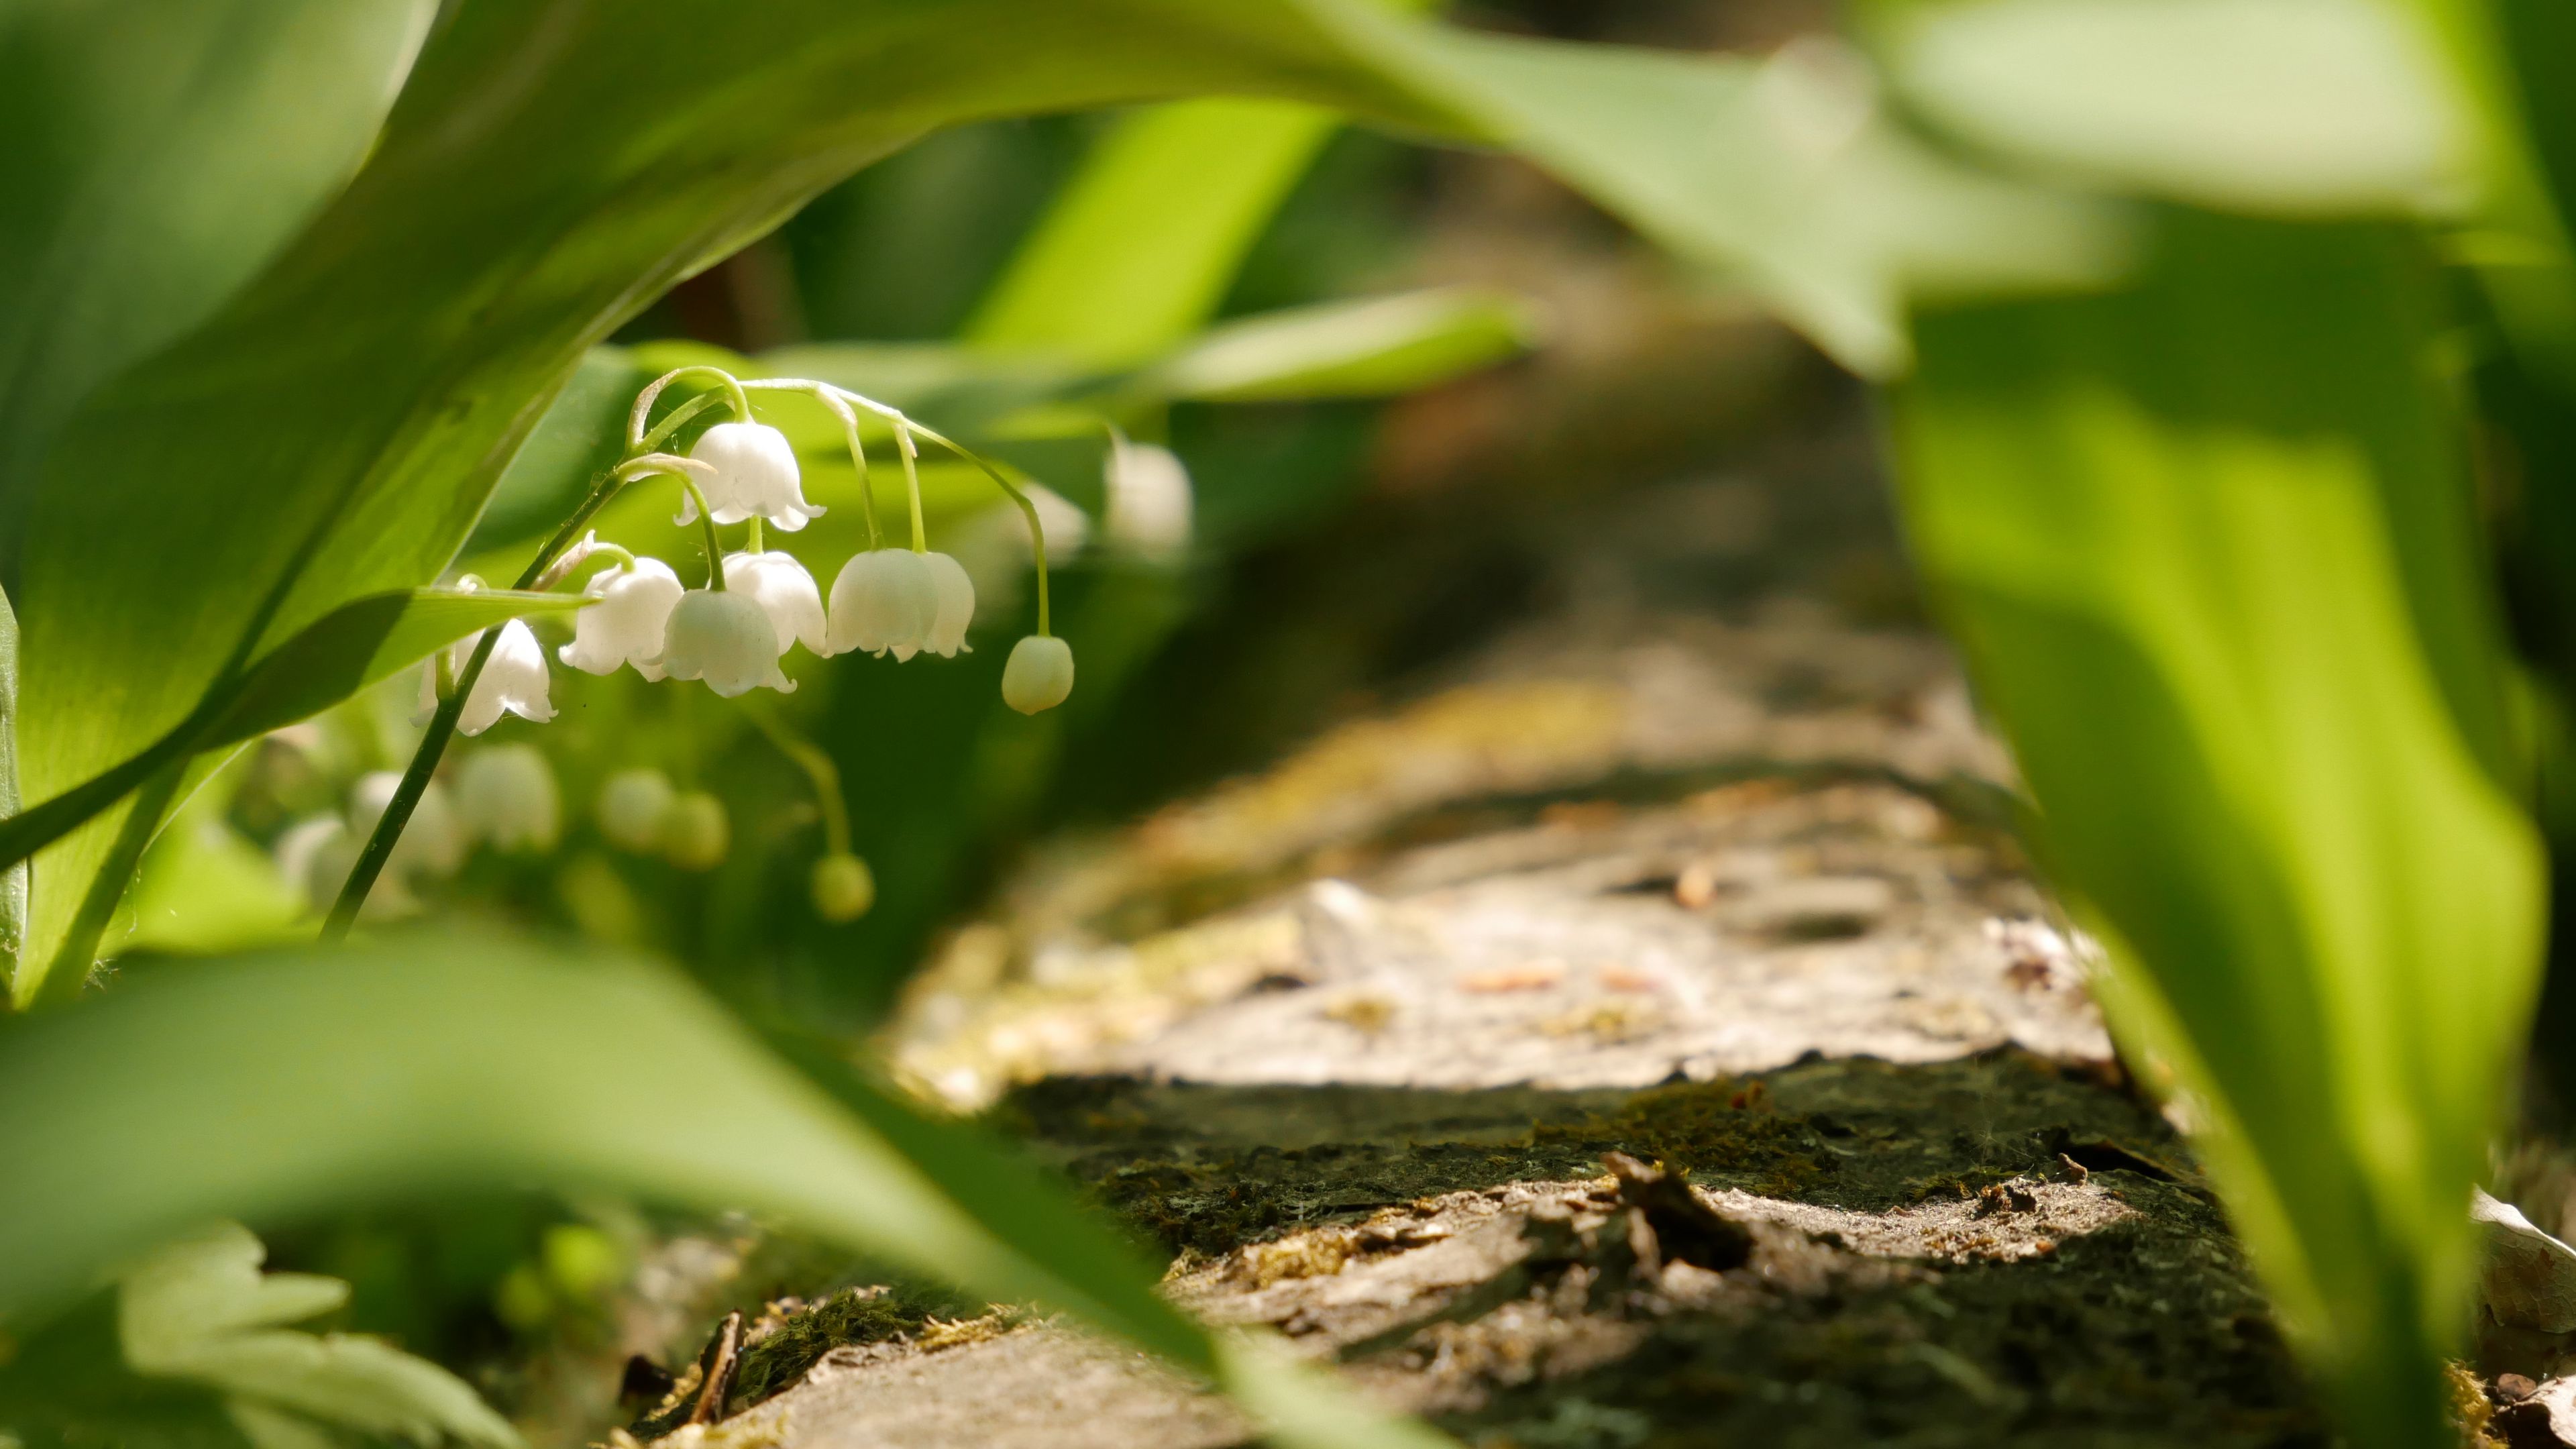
1723 1131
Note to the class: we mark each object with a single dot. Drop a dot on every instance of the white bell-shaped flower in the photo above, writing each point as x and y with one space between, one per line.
886 598
785 592
432 842
755 472
1039 675
956 607
726 639
315 856
1150 505
625 626
513 681
633 806
506 797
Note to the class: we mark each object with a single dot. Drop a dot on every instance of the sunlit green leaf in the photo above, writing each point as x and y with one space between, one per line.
1141 246
2289 106
292 1084
158 153
1373 347
13 878
2208 546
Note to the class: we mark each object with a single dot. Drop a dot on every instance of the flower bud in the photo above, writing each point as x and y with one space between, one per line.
755 472
725 639
695 833
1039 674
634 807
785 592
513 681
843 888
506 795
627 624
956 607
432 843
1149 500
885 598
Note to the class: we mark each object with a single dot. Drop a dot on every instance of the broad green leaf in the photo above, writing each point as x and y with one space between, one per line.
298 1083
199 1309
355 645
158 153
2208 547
1373 347
1782 176
336 429
1139 249
2297 107
581 435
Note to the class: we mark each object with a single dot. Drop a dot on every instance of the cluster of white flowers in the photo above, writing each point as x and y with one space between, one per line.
504 798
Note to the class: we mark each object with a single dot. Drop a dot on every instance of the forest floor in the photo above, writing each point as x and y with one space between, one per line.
1648 1034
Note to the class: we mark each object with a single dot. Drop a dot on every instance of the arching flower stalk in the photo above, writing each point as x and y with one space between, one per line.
757 603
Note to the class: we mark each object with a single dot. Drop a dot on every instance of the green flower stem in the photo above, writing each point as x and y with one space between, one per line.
734 397
912 485
451 705
838 399
1028 509
818 767
679 416
715 545
858 460
751 541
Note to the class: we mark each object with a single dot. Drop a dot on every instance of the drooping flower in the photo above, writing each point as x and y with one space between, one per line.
432 842
315 855
1149 500
633 806
843 887
696 834
626 625
956 607
726 639
885 598
1039 675
513 681
506 796
785 592
755 472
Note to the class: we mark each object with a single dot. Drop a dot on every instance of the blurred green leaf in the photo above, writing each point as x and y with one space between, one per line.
353 646
2277 106
199 1309
290 1084
2208 546
1371 347
581 435
13 878
159 153
337 428
1138 249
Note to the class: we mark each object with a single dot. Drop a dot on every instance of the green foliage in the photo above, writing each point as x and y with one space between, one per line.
159 154
2207 543
1371 347
13 878
293 1083
1138 249
198 1353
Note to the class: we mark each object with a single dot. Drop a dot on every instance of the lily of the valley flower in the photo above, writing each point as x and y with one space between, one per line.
755 472
726 639
506 795
785 592
696 834
432 842
843 887
883 599
1149 500
626 625
513 681
1039 675
956 607
633 807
